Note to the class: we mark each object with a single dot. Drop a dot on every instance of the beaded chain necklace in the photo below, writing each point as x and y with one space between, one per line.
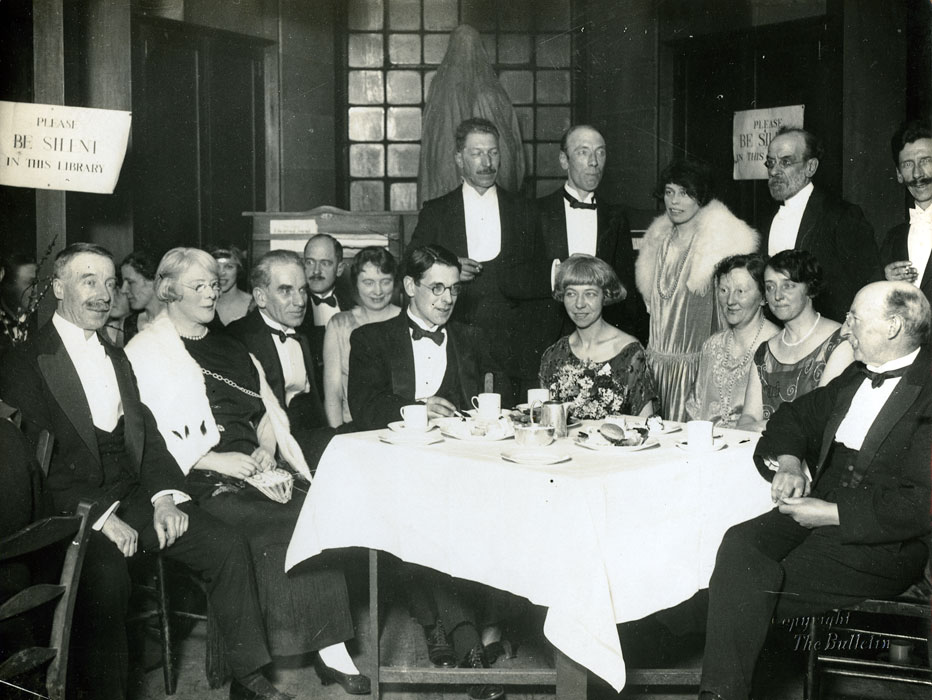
803 339
666 296
724 390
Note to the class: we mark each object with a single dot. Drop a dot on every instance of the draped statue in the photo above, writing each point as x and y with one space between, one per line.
466 86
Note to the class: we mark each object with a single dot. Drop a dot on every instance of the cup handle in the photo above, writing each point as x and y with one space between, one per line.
402 412
475 402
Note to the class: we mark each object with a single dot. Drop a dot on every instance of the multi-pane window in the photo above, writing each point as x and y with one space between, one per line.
392 52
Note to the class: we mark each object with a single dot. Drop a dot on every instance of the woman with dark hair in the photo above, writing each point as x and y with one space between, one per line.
596 352
226 430
233 303
674 271
373 273
809 352
138 273
725 361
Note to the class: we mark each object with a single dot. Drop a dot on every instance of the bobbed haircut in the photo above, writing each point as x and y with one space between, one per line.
175 263
589 271
229 252
72 251
474 125
753 263
419 260
911 305
378 257
692 176
800 266
143 262
337 246
908 132
811 143
261 275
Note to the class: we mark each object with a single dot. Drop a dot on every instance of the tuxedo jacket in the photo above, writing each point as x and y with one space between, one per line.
41 380
381 370
842 240
885 498
315 334
895 247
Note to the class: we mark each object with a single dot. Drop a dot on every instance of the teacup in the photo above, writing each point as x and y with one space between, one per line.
535 435
488 406
537 395
415 416
699 435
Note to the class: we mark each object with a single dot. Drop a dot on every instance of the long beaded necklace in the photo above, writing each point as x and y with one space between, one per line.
666 296
803 339
725 389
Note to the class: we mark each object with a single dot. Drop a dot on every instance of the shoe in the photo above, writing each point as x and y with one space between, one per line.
355 684
439 649
486 691
255 686
503 648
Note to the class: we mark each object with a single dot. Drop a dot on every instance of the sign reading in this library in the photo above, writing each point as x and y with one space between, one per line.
62 148
753 131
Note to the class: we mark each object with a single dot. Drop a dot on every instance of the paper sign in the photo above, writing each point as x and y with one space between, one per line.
62 148
292 226
753 131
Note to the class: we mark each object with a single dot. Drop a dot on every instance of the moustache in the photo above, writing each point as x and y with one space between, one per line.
919 182
486 171
98 306
316 276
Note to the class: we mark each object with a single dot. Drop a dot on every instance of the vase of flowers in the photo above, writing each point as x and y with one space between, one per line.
589 389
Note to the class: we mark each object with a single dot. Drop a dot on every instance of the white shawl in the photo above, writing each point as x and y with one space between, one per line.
172 385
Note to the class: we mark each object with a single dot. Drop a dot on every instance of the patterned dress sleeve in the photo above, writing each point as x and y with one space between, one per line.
630 368
552 359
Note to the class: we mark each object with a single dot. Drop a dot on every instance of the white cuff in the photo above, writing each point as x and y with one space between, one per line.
99 523
178 497
554 266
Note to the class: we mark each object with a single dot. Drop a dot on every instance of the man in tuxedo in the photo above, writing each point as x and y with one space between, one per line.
273 333
809 218
108 450
323 265
904 254
852 530
421 356
482 224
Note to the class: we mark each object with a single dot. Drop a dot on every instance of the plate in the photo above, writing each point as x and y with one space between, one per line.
399 427
474 413
462 429
608 447
409 438
537 457
717 444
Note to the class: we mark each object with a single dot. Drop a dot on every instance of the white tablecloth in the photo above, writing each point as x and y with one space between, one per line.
602 539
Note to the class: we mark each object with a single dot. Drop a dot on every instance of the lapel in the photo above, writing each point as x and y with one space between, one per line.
809 223
402 357
839 410
553 218
456 364
607 234
134 431
59 373
902 398
457 222
268 358
308 364
506 214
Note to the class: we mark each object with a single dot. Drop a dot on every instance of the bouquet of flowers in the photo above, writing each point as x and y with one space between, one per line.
589 388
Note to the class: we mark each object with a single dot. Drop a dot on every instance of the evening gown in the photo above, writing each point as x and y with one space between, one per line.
629 369
307 608
342 326
782 383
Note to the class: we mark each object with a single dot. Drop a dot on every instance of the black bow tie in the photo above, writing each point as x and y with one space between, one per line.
417 333
576 204
329 301
282 335
878 378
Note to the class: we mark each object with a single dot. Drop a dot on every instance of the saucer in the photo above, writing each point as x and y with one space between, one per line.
609 447
410 438
399 427
534 457
717 444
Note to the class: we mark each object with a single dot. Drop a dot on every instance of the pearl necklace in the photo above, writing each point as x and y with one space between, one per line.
194 337
666 296
804 338
724 392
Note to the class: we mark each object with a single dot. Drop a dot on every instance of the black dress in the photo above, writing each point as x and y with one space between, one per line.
307 608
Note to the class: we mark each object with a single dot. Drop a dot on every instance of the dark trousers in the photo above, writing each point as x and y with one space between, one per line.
219 555
772 567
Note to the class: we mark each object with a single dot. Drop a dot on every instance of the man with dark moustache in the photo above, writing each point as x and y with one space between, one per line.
850 527
809 218
109 450
905 252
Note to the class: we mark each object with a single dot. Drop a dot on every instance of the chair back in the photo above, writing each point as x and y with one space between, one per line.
34 538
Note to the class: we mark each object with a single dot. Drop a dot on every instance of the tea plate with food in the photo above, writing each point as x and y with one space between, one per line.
535 457
476 429
611 437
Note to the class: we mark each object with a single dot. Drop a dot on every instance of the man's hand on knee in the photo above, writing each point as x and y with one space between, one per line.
169 521
121 534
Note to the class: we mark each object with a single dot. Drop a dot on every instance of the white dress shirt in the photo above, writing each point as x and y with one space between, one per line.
867 402
919 241
582 225
324 312
483 223
290 357
430 361
785 225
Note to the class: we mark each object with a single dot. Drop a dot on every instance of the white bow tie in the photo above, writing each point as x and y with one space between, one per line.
920 217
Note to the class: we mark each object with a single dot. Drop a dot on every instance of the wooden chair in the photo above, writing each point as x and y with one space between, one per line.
874 665
41 535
